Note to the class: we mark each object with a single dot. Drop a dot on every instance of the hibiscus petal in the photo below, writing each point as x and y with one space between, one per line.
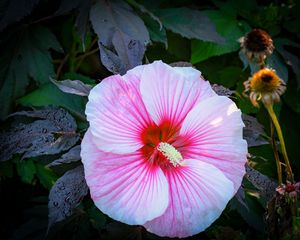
213 132
170 93
117 114
199 192
125 187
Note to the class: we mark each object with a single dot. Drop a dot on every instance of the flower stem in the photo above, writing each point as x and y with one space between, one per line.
278 163
272 114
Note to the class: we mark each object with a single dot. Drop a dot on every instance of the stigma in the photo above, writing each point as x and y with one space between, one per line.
170 153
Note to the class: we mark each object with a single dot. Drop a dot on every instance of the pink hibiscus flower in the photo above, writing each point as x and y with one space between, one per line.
163 149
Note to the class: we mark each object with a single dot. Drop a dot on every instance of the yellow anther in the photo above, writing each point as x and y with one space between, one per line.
170 153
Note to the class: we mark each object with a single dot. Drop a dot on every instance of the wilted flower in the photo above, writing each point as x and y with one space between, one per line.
289 189
257 45
163 150
264 85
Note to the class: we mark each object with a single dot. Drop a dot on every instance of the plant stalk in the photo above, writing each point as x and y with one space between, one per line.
277 160
273 116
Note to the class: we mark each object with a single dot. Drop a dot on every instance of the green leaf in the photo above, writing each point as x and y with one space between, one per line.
276 62
49 94
98 218
45 175
189 23
26 170
290 58
157 34
252 213
82 16
228 76
144 10
262 158
292 97
228 27
174 40
6 169
25 56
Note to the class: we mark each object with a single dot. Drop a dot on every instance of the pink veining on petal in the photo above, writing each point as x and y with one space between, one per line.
162 149
125 187
170 93
199 192
212 132
117 114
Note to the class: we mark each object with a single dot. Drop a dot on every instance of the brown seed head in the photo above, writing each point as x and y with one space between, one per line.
257 45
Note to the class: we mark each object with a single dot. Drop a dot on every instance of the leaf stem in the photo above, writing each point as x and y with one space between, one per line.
83 56
277 160
72 57
61 65
273 116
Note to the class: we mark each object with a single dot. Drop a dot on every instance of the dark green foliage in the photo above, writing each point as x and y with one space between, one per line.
184 20
9 14
25 55
229 27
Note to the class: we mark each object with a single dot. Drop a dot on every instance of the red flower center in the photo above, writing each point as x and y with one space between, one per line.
152 136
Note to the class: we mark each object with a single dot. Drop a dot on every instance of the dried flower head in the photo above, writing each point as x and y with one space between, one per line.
264 85
257 45
289 189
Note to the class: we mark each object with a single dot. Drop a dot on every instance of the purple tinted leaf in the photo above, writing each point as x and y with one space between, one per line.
264 184
52 131
221 91
72 155
253 131
66 194
73 86
181 64
111 60
129 53
107 17
122 35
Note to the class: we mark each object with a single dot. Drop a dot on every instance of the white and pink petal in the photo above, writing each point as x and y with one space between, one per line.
170 93
199 192
213 132
125 187
117 114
